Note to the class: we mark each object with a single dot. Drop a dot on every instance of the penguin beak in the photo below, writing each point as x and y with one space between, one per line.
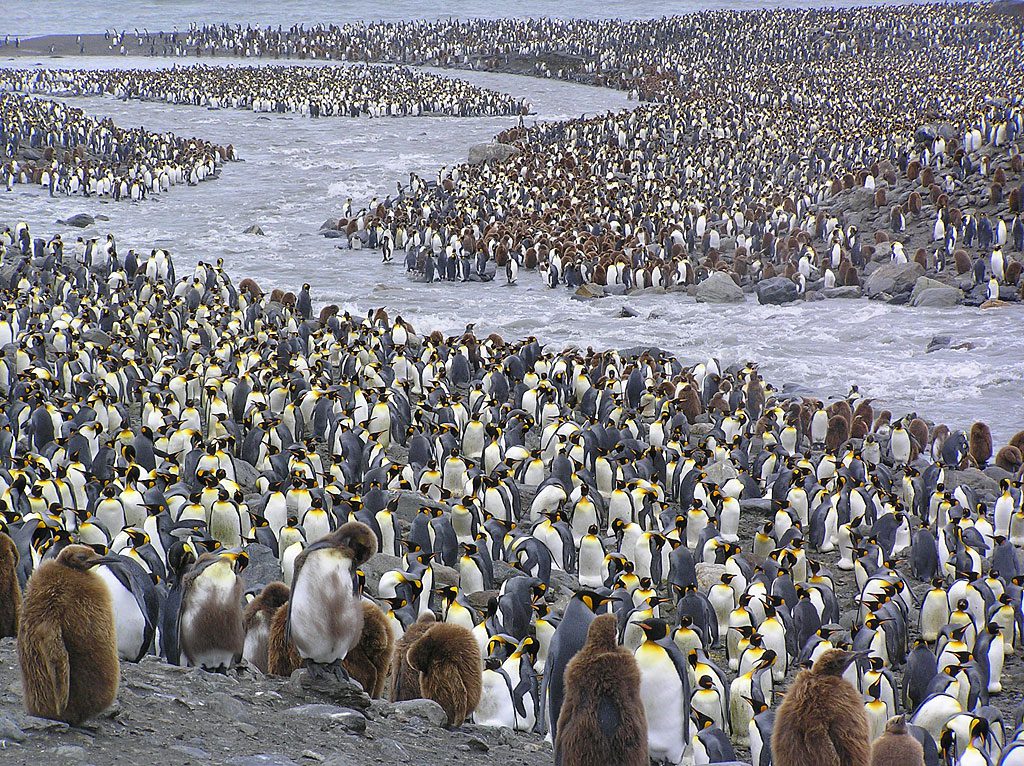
109 559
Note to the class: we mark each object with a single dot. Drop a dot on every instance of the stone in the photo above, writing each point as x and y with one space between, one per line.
588 292
925 283
776 291
262 759
708 575
71 752
893 278
329 224
9 730
975 479
263 566
192 752
757 505
245 474
628 312
938 342
719 288
350 720
494 152
347 694
938 297
614 289
426 709
333 233
254 229
97 336
721 472
79 220
477 745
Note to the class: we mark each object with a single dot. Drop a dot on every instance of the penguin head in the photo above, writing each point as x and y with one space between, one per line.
654 629
834 662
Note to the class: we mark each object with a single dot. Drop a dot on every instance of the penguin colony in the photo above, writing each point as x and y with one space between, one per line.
485 520
56 146
346 91
741 167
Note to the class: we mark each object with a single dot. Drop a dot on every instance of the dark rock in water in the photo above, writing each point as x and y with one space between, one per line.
614 289
899 299
848 291
776 291
938 297
812 296
496 152
628 312
332 233
330 223
939 342
254 229
79 220
719 288
588 292
893 278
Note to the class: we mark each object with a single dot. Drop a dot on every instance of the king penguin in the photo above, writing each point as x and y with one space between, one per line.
67 645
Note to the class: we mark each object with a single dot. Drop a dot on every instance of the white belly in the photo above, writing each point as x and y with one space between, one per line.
128 618
326 617
662 694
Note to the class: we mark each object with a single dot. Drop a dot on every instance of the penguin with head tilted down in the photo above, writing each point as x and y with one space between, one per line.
325 617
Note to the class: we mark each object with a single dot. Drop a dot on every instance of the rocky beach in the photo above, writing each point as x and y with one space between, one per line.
692 320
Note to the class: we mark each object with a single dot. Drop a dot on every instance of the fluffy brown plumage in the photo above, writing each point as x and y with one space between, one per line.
405 682
1017 440
980 444
1009 459
67 645
10 590
370 659
838 433
282 659
210 624
256 620
896 747
821 720
448 660
602 718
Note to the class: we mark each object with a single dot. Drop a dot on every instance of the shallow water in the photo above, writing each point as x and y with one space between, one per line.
42 17
299 172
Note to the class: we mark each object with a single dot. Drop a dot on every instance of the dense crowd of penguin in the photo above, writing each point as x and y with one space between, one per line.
349 91
50 144
733 169
158 423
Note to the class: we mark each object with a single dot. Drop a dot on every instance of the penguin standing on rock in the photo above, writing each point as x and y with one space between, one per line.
325 617
602 718
67 645
821 719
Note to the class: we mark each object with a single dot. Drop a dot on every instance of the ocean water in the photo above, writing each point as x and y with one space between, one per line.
299 172
42 17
